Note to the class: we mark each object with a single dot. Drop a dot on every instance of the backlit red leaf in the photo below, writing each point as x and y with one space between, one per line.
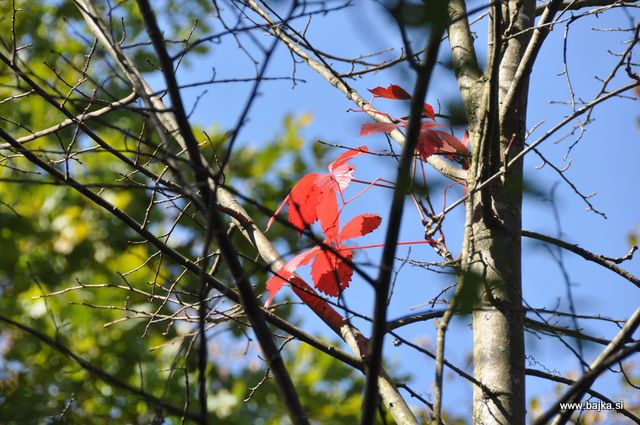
280 278
433 141
451 143
391 92
329 215
317 192
346 156
428 141
377 127
273 217
314 198
330 273
427 111
429 125
343 172
303 200
465 139
275 283
359 226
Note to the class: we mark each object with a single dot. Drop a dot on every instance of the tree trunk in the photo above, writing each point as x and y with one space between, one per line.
491 257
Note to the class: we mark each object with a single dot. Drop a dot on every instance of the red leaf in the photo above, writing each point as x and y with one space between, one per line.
465 139
328 214
277 281
317 304
314 198
458 150
427 111
451 143
273 217
303 200
391 92
425 126
359 226
343 172
377 127
428 141
330 273
315 192
433 141
345 157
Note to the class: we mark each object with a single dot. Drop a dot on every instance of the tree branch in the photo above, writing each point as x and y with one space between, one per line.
82 117
393 227
463 56
217 225
536 325
351 335
526 64
108 378
613 353
581 4
563 380
587 255
334 79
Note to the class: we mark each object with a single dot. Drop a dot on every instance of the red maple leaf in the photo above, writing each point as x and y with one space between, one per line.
331 273
302 200
331 270
314 197
430 140
391 92
427 111
433 141
396 92
377 127
284 274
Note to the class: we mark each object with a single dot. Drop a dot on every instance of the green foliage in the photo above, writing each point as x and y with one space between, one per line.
328 389
56 242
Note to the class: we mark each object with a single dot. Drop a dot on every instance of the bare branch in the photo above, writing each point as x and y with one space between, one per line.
587 255
463 55
613 353
334 79
393 229
216 224
103 375
580 4
563 380
83 117
526 64
352 336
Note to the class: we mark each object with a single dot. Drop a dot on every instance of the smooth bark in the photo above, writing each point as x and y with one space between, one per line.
491 255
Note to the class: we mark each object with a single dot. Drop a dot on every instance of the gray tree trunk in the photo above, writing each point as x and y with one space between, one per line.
491 254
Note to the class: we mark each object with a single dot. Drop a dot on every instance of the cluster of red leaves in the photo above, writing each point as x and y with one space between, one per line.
398 93
314 198
431 140
331 270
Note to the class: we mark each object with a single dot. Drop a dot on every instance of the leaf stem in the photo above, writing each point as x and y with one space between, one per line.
380 245
373 183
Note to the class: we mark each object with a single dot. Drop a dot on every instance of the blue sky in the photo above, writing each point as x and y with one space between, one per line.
603 162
